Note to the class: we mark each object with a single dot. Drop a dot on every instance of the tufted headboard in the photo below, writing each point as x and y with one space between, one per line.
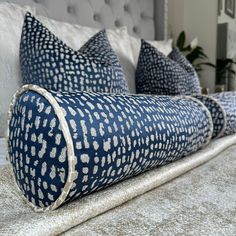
144 18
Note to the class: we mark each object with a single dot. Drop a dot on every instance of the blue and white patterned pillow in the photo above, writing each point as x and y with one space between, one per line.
67 145
48 62
158 74
228 101
222 107
218 114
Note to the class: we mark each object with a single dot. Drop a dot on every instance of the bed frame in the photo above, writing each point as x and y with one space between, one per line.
144 19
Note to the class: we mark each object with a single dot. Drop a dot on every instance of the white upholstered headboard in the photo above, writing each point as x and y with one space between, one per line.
144 18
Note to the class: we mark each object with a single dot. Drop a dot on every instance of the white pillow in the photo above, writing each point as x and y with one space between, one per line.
11 22
164 47
76 36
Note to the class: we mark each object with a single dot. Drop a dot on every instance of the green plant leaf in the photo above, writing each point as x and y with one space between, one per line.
224 65
233 72
196 56
193 55
186 49
207 64
200 48
181 41
200 52
198 70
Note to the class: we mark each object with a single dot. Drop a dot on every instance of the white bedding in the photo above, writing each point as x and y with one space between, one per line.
3 151
11 18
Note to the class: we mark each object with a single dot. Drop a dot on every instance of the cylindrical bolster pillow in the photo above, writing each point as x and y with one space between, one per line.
63 146
228 101
218 114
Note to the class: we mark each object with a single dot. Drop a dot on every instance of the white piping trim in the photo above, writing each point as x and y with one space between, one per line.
67 136
208 115
70 148
223 112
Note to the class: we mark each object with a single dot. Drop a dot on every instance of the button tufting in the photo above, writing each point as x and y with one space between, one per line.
142 15
71 9
37 1
135 29
107 1
126 8
96 17
117 23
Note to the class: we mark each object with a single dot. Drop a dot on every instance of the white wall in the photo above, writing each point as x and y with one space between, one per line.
198 18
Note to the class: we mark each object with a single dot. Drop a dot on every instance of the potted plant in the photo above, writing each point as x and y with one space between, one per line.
194 53
225 74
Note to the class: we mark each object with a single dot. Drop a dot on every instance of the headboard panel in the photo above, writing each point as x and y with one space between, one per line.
137 15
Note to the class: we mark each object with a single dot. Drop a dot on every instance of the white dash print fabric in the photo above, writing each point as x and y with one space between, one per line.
227 100
162 75
222 107
66 145
48 62
218 114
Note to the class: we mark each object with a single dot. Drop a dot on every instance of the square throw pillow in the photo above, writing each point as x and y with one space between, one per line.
11 22
163 46
75 36
48 62
161 75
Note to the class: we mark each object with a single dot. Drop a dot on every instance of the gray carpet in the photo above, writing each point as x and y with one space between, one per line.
201 202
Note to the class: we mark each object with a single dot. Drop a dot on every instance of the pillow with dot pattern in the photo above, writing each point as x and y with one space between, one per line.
62 146
227 100
222 107
48 62
158 74
75 36
218 114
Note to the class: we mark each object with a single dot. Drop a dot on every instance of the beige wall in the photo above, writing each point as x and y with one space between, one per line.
198 18
231 37
223 18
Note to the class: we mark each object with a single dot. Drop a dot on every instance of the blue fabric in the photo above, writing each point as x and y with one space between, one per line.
228 101
37 150
48 62
217 113
114 137
222 107
161 75
99 47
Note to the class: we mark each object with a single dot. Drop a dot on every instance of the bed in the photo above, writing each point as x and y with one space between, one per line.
138 16
146 19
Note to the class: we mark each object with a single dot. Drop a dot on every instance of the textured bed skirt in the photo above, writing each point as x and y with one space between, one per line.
66 145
